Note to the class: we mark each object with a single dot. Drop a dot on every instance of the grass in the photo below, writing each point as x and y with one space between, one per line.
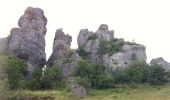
133 92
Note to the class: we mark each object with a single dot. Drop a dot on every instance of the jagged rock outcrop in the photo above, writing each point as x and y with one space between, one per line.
131 54
67 60
28 41
160 61
3 45
61 46
90 42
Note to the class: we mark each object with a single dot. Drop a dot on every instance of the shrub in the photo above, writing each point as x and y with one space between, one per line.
94 74
35 81
82 53
138 72
141 72
15 70
158 75
111 47
3 78
49 78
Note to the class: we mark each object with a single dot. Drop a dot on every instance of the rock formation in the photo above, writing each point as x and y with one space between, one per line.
90 42
160 61
67 60
28 41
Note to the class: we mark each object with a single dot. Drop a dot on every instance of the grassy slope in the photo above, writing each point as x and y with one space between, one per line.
137 92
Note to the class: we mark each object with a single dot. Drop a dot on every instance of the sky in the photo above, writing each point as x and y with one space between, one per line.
145 21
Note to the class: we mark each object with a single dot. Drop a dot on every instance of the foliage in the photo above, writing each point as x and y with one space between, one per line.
4 87
35 81
82 53
111 47
50 79
157 74
141 72
94 74
15 70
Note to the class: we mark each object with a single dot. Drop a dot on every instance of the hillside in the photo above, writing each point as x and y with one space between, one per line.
98 68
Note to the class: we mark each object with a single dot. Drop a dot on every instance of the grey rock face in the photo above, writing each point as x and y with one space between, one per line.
61 46
91 43
83 37
160 61
28 41
3 45
130 54
104 34
67 60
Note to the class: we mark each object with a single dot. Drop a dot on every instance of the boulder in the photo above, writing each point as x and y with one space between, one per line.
160 61
28 41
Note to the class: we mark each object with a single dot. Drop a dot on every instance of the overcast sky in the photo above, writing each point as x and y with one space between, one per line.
145 21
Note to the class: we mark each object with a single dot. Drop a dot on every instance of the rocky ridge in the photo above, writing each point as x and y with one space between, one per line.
91 43
28 43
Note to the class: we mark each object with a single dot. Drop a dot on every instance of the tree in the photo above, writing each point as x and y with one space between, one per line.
94 74
158 75
15 70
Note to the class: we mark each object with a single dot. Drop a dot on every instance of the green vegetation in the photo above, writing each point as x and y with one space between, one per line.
111 47
50 79
16 70
82 53
141 73
97 76
122 92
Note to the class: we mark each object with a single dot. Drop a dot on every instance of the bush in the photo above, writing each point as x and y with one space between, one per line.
35 81
47 79
94 74
111 47
16 70
158 75
82 53
4 87
51 78
141 72
137 72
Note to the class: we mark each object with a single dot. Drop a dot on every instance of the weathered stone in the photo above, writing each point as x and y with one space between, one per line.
67 60
76 89
91 43
160 61
61 46
131 54
83 37
28 41
104 34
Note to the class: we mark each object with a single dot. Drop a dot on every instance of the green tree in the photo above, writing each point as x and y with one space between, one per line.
94 74
16 70
158 75
51 78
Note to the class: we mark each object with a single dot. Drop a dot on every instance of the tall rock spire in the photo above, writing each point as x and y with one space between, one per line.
28 41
